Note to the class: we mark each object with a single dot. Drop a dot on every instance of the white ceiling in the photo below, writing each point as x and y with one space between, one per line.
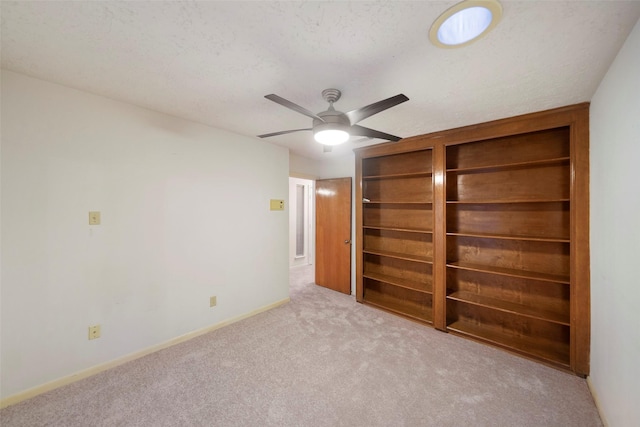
213 62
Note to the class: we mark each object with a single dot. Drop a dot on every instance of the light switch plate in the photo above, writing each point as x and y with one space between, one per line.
94 218
94 332
213 301
277 205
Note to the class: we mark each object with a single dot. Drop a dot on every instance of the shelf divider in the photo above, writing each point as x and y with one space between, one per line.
396 281
539 347
505 201
397 175
422 314
404 230
514 165
511 237
398 255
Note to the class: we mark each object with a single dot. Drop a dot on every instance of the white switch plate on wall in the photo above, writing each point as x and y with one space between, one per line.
94 218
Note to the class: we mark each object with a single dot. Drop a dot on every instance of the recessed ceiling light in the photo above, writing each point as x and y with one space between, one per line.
465 22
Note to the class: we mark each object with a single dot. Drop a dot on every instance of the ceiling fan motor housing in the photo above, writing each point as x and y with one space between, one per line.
334 121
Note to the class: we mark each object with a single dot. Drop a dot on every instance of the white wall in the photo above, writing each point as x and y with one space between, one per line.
185 215
303 167
615 238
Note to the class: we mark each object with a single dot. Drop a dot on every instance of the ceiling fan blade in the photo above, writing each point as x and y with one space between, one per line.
295 107
371 133
362 113
363 139
282 132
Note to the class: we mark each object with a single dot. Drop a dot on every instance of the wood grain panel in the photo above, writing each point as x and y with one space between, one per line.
411 189
550 300
412 304
549 341
528 147
547 182
359 231
395 241
414 162
333 234
411 216
544 220
542 257
439 238
580 270
418 273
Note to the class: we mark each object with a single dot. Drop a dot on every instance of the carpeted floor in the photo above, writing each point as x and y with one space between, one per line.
321 360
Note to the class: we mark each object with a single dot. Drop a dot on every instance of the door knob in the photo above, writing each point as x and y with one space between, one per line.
347 241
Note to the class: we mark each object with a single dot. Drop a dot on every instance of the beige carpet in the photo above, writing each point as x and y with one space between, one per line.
321 360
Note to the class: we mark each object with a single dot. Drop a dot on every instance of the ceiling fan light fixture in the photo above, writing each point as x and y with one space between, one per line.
465 23
331 136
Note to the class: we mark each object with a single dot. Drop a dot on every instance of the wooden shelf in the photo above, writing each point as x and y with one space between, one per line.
398 255
511 237
419 313
407 164
539 347
411 216
396 281
398 175
556 278
383 202
510 307
515 165
505 201
403 230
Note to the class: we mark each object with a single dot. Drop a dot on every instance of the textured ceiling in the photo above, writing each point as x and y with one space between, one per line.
213 62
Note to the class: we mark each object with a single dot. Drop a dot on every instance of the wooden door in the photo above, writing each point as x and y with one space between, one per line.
333 234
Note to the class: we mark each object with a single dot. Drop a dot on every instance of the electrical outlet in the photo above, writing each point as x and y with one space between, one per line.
94 218
94 332
213 301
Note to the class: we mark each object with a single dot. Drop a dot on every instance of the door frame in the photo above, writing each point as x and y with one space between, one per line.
309 218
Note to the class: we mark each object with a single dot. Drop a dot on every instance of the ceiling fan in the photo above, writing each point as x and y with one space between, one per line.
333 127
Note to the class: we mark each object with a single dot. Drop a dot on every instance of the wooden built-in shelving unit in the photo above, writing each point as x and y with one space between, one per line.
397 233
482 231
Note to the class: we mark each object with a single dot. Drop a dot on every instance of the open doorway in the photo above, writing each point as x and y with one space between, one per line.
301 222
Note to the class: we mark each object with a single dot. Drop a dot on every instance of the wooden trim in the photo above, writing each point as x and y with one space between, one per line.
69 379
580 263
359 235
531 122
439 238
407 145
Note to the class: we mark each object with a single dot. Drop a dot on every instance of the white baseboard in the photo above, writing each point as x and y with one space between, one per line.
32 392
597 401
